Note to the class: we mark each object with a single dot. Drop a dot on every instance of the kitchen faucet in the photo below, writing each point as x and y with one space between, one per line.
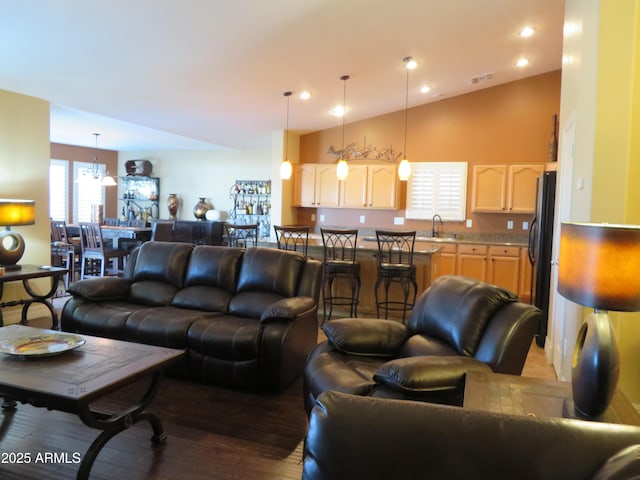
435 233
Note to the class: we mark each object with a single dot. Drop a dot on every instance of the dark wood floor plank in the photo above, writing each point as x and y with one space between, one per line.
213 433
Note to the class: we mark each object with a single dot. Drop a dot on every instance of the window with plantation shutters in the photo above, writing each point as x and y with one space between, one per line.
437 188
58 189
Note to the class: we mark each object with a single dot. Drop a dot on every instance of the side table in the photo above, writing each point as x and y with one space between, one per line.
25 274
538 397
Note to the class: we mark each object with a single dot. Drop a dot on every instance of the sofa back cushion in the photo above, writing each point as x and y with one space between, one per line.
270 270
211 278
159 272
456 310
266 275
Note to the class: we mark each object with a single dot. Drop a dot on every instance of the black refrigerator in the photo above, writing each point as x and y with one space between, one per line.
540 248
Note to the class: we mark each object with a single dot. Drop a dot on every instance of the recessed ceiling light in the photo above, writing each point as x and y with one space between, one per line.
305 95
523 62
425 89
527 32
338 111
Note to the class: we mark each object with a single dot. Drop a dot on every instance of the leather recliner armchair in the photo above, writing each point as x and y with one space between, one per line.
456 325
378 439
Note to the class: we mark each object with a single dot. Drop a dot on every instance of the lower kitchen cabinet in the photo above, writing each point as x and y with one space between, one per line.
472 261
504 267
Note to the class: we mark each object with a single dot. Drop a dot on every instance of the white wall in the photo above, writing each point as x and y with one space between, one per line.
194 174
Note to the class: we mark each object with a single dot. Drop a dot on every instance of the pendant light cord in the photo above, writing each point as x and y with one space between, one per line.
344 78
286 132
406 111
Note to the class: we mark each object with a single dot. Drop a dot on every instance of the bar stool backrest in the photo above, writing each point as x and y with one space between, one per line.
292 237
339 245
395 248
242 235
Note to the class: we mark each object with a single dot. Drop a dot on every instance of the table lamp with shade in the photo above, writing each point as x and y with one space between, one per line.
599 267
14 213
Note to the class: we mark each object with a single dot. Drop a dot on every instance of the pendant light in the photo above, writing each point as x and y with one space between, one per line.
94 174
404 168
107 180
342 169
285 167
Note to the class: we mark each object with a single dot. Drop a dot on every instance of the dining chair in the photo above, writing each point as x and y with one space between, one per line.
292 237
111 221
162 231
242 235
64 253
395 265
96 257
129 244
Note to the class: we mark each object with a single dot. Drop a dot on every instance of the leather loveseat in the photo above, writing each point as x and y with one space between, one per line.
378 439
245 318
456 325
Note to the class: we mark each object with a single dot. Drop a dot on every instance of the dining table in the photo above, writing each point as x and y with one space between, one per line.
116 232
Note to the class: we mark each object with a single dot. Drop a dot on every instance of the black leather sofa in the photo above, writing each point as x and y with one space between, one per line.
379 439
245 318
457 324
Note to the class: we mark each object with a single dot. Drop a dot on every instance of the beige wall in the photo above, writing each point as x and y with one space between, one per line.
601 97
194 174
509 123
24 173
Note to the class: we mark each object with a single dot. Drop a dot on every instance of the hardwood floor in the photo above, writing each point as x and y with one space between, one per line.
213 433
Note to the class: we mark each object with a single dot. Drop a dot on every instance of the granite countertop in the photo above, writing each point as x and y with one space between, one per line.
516 240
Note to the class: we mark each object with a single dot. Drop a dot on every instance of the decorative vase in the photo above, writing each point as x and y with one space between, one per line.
172 204
201 208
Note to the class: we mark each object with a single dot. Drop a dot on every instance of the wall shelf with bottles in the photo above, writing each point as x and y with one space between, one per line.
140 196
252 204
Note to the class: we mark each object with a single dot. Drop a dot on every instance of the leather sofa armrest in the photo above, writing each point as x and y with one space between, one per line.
288 309
428 373
105 288
362 336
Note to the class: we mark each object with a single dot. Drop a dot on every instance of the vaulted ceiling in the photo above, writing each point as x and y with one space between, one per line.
208 74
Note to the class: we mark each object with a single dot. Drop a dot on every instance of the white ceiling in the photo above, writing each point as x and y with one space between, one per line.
207 74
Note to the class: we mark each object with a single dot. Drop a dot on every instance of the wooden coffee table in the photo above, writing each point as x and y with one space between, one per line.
536 397
72 381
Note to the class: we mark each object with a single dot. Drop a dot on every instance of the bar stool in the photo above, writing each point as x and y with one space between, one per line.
242 235
292 237
395 265
340 263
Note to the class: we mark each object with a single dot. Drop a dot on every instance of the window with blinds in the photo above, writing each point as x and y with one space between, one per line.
87 189
58 189
437 187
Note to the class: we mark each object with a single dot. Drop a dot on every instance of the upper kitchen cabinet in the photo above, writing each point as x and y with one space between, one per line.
315 185
504 188
370 186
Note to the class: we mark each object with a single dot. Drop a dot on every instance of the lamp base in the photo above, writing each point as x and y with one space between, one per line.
11 249
595 367
569 411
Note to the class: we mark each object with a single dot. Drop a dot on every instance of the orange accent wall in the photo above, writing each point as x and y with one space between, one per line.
84 154
509 123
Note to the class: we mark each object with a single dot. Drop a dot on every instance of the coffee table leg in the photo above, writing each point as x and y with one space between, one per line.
111 425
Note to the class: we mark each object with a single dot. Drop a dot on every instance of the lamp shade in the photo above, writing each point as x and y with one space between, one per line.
599 265
14 212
